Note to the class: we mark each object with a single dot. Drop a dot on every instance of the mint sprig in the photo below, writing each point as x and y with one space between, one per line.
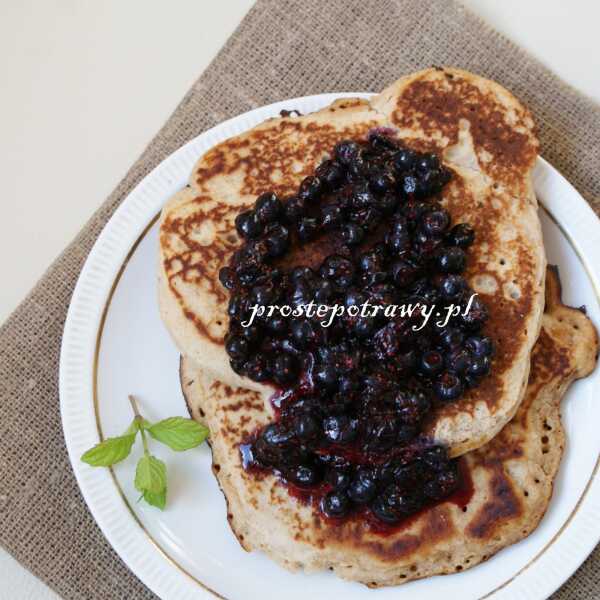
178 433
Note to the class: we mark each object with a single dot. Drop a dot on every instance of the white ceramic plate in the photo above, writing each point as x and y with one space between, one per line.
115 344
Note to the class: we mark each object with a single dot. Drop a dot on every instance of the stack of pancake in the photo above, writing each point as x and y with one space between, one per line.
507 430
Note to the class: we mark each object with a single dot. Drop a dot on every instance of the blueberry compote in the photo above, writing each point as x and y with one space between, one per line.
352 396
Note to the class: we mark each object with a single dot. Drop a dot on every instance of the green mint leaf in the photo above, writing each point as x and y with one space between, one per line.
179 433
110 451
158 500
151 475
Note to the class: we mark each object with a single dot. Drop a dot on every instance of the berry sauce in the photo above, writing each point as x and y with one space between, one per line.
352 396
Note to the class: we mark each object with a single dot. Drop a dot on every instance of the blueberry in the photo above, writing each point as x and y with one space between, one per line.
227 277
434 223
435 458
404 160
256 369
398 503
381 432
479 345
277 241
452 287
335 504
387 203
324 291
423 292
357 168
448 387
397 243
277 324
368 218
383 293
431 363
458 361
363 327
236 347
403 273
345 151
237 307
406 361
413 210
476 316
406 433
339 269
442 485
306 427
252 333
451 260
325 354
430 182
408 476
348 385
294 209
326 376
411 406
354 298
303 476
408 184
352 234
425 245
310 188
363 487
383 512
301 294
371 261
361 197
380 182
340 429
330 173
302 273
304 333
247 225
427 162
380 142
262 295
254 252
331 216
267 208
479 366
284 368
276 435
307 228
338 479
461 235
452 337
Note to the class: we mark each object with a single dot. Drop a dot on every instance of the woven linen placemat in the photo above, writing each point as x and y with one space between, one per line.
282 49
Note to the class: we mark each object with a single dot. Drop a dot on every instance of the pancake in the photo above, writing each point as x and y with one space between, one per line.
482 133
507 489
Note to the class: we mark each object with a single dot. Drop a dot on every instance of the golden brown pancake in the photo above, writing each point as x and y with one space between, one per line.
483 134
506 490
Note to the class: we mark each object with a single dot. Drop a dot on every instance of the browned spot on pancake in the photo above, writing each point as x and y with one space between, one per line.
502 506
398 548
437 105
436 526
228 391
549 359
430 528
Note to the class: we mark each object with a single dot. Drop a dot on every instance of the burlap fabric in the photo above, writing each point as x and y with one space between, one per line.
281 49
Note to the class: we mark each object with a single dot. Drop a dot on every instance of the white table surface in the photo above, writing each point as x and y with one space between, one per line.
85 85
